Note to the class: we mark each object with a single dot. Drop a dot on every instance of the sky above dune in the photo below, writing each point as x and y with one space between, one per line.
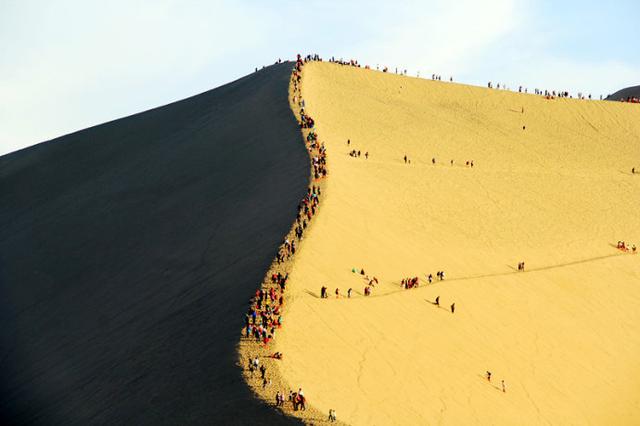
68 65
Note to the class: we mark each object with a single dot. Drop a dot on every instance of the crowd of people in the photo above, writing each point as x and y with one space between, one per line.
264 316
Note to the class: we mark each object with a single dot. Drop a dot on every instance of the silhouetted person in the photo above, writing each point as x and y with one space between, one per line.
437 300
453 307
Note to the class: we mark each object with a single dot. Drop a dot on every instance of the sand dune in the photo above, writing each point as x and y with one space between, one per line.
128 252
551 186
628 92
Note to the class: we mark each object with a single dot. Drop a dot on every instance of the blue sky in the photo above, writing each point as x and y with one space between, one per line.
67 65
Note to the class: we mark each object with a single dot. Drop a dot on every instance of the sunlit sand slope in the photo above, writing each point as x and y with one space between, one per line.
551 186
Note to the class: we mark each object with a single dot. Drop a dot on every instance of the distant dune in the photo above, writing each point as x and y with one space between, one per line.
551 185
128 252
633 92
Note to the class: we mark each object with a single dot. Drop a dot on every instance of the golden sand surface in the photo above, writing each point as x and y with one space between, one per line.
564 335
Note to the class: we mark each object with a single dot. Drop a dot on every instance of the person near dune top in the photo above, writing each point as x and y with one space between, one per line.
453 307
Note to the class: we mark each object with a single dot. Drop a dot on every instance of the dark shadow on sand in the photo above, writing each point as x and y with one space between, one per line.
129 250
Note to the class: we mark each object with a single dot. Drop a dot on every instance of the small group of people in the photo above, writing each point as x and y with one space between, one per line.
437 303
350 62
297 400
356 154
408 283
503 386
630 99
625 247
521 266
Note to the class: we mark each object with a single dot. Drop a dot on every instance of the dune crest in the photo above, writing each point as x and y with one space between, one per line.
551 186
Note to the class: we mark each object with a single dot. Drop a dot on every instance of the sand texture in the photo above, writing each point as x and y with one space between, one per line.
128 253
557 194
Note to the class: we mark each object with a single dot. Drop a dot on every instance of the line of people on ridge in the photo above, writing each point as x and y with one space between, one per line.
264 315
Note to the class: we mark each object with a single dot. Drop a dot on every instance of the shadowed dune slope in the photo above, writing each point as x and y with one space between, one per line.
558 194
128 252
633 92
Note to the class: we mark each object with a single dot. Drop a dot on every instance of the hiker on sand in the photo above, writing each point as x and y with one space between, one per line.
323 292
332 415
349 292
405 159
504 389
488 375
263 371
453 307
337 293
437 300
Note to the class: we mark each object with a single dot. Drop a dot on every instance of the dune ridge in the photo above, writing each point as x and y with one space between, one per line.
127 251
251 346
551 186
